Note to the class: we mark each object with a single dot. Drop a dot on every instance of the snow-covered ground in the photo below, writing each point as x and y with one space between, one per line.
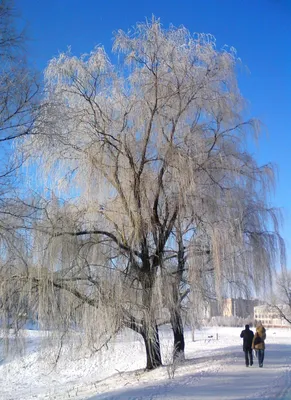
214 369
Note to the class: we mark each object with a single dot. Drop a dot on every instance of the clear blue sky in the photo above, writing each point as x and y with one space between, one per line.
260 30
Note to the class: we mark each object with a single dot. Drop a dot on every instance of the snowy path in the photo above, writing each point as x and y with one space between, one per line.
226 379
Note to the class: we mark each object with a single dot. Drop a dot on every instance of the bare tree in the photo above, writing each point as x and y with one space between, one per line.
150 156
281 299
18 84
18 95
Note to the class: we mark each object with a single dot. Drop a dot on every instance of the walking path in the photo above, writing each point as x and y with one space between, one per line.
224 378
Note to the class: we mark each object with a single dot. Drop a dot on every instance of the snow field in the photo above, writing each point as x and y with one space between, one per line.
214 369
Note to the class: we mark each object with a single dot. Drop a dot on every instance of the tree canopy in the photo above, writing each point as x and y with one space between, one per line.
155 194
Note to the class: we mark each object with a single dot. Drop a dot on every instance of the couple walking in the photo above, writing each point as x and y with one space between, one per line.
255 342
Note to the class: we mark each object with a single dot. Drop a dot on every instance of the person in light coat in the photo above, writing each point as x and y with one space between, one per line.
259 343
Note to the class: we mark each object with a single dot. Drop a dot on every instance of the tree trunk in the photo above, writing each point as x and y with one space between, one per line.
151 338
193 333
149 330
178 331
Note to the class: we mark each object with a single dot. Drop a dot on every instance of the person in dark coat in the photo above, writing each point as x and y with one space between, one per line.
247 335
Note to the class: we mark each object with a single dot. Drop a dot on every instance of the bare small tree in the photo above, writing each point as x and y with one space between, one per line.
281 303
160 189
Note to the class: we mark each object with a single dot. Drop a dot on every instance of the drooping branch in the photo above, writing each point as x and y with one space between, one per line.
98 232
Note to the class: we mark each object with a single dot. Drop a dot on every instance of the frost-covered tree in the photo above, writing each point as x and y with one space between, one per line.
160 191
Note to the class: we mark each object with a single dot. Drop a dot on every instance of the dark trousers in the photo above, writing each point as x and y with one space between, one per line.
248 356
260 355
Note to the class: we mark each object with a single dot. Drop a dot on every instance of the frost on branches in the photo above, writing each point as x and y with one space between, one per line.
156 199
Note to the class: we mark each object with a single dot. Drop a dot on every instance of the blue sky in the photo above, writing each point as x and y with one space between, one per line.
260 30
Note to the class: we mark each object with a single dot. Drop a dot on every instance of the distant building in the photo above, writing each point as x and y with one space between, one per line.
242 308
270 316
230 307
